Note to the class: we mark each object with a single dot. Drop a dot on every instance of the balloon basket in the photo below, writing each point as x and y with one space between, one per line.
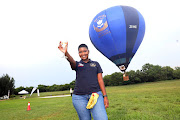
125 77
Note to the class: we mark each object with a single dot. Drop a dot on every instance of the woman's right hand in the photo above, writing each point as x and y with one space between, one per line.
60 47
66 54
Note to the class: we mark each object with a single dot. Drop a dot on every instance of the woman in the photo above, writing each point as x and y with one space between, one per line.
88 80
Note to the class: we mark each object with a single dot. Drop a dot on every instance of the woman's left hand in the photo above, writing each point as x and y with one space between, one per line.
106 102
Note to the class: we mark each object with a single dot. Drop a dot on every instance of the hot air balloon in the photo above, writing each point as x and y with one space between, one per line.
117 33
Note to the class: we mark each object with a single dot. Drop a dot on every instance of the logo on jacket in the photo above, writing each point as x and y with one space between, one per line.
80 65
93 64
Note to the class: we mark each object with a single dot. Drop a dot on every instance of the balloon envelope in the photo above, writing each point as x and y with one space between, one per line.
117 33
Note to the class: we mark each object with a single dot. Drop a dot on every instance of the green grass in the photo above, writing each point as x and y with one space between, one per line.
147 101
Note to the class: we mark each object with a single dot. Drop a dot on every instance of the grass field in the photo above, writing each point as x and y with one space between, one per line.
147 101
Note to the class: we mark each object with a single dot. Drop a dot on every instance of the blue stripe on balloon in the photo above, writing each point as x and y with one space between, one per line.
132 24
141 32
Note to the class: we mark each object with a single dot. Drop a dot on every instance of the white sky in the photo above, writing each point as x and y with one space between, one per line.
30 32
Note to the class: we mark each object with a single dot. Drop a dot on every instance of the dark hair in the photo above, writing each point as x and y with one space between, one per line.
82 45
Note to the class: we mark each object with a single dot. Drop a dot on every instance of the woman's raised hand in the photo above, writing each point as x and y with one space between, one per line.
61 48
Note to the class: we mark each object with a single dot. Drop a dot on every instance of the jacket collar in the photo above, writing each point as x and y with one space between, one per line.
87 62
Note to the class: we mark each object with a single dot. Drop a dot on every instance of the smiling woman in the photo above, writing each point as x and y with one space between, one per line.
83 52
89 81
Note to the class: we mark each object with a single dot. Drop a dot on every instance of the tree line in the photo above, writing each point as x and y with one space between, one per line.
46 88
148 73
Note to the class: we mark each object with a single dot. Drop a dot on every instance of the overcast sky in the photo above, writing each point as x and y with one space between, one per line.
30 31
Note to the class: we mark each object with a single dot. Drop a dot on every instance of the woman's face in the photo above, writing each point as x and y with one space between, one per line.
83 53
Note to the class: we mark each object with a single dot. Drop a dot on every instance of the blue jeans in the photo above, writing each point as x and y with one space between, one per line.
98 111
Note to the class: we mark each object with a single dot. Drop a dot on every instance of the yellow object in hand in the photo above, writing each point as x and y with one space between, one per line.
92 101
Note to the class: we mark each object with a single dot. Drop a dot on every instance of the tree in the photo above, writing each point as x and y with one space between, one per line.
29 89
167 73
145 70
140 75
151 72
134 76
116 79
6 83
42 88
72 84
176 73
106 79
18 90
